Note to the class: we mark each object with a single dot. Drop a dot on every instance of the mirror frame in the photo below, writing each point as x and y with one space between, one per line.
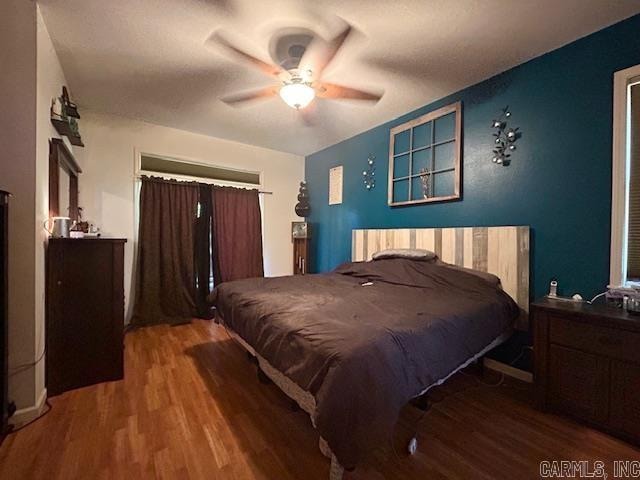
61 157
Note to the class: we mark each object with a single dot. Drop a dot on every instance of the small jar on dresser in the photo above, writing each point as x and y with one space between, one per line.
85 312
587 364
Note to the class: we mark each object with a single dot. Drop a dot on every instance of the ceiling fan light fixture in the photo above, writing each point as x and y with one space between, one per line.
297 94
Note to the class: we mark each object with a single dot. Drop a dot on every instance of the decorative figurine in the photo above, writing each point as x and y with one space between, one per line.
425 181
303 209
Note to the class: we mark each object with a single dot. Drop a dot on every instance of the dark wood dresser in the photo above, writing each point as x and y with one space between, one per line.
587 364
85 312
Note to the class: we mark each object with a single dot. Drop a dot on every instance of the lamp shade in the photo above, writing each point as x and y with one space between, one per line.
297 95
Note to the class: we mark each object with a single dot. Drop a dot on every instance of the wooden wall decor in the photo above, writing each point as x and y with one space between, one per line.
502 251
425 158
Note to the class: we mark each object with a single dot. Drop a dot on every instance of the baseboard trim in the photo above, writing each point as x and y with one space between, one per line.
508 370
28 414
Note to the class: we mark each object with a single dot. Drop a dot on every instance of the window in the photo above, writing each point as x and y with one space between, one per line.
633 221
424 158
625 218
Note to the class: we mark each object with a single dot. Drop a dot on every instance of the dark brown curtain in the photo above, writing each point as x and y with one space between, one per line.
204 266
166 278
236 234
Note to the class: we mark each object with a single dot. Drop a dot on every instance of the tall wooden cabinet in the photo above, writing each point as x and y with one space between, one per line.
587 364
300 236
300 256
85 312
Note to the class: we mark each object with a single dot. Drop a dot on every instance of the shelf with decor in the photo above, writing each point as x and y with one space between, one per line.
63 117
63 127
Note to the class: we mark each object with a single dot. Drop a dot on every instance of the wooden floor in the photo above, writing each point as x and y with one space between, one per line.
190 407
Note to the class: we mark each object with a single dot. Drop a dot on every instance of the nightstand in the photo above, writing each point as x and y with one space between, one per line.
587 364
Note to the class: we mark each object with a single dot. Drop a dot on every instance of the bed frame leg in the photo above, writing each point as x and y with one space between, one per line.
336 471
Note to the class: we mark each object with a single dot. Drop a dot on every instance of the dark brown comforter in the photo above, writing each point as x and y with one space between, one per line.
365 351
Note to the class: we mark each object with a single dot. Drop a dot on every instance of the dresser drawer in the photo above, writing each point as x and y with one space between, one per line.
619 344
625 398
578 383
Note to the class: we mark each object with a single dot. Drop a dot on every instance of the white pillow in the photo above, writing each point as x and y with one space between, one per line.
410 253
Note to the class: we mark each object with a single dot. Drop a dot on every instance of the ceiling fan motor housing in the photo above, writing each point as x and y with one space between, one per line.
287 48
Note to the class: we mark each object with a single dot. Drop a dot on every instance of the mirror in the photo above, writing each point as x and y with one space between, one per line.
63 192
63 181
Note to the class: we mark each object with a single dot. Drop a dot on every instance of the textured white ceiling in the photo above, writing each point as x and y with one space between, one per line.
147 59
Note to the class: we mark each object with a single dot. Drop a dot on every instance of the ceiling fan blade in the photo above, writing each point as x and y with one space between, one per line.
242 97
309 115
267 68
331 90
320 53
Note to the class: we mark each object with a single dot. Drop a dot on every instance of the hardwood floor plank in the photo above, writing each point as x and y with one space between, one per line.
190 407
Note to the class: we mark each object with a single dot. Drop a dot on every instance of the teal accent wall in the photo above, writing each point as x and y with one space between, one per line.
559 181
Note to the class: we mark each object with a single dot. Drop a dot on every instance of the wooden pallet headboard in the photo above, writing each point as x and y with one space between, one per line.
502 251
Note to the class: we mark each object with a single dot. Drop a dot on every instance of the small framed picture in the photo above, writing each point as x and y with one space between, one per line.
299 230
335 185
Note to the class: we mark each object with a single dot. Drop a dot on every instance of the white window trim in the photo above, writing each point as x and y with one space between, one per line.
139 172
620 175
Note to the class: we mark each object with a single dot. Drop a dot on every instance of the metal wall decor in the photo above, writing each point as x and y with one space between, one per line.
369 175
505 139
303 209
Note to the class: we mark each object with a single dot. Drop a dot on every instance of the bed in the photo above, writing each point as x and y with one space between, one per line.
353 346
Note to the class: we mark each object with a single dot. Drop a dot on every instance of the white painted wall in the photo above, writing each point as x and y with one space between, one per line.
107 184
17 175
50 79
31 76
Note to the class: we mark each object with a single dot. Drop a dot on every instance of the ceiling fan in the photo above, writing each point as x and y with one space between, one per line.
299 75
